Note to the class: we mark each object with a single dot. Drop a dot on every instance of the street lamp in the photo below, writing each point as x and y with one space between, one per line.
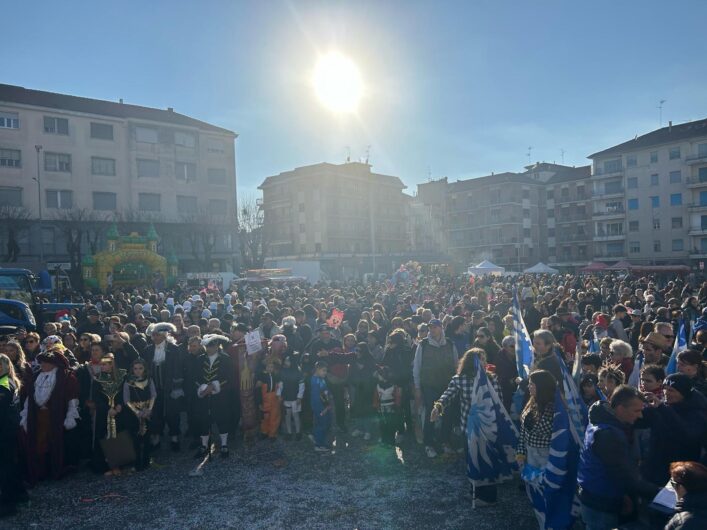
39 197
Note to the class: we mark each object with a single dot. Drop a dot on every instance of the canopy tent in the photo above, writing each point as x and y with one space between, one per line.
541 268
620 266
486 267
594 266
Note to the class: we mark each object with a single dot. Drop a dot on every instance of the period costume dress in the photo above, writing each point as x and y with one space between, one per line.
139 397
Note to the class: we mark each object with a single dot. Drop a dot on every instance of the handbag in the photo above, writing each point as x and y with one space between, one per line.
118 451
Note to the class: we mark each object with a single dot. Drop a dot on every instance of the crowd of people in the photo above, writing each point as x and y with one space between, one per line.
137 374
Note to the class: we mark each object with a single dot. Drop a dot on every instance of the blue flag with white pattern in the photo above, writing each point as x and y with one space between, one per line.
491 435
593 345
554 492
576 408
524 350
679 345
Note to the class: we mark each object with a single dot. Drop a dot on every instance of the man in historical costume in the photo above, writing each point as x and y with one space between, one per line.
50 412
212 388
245 367
166 364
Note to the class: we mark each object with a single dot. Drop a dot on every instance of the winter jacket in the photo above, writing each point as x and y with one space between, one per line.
690 513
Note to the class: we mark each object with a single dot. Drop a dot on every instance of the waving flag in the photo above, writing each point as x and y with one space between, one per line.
576 408
491 435
680 344
553 491
524 350
593 345
336 318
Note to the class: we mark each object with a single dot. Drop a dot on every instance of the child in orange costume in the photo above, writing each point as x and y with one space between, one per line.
269 397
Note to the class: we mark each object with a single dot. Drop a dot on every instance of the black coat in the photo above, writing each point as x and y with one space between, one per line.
691 513
399 361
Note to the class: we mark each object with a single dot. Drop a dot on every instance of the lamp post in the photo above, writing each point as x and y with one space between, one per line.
39 197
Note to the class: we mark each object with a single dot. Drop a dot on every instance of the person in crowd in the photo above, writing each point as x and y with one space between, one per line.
12 489
486 341
608 477
591 363
31 345
139 394
621 354
589 388
268 396
690 363
616 328
507 370
651 381
653 348
292 395
387 402
689 480
362 384
321 403
545 357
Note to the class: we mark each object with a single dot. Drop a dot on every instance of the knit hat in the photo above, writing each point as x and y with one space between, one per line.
680 382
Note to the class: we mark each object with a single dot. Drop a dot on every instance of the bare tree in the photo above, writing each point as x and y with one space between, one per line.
12 219
75 223
252 236
201 229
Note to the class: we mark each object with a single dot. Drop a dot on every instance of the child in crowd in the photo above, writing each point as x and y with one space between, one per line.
388 399
652 376
588 385
610 376
292 394
269 397
139 396
321 402
591 363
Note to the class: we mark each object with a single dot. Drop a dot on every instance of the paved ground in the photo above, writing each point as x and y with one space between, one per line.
278 485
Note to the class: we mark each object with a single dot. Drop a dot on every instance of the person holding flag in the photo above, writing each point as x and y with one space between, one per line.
679 345
490 433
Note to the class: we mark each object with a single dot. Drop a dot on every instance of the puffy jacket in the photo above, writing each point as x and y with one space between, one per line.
691 513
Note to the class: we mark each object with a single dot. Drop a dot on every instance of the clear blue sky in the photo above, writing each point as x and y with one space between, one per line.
456 88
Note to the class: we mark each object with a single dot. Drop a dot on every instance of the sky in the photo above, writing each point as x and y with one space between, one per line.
455 89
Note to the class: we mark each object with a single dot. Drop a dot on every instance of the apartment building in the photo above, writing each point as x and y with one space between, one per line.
650 197
115 162
345 216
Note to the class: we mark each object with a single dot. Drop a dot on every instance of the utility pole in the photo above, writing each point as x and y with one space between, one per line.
39 197
530 151
660 112
562 156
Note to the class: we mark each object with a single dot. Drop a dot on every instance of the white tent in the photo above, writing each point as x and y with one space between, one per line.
541 268
486 267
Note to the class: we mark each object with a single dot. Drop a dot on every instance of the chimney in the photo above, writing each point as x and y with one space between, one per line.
670 126
170 109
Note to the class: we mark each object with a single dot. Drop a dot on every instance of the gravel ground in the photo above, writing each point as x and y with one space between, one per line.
278 484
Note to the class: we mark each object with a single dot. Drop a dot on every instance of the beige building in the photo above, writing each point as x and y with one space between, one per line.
116 161
347 217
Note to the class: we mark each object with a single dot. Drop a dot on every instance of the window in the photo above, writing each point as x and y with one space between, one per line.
703 198
185 170
701 150
526 193
101 131
149 202
146 135
676 222
186 204
103 200
10 158
582 251
656 246
184 139
57 162
10 196
676 199
56 125
674 153
634 247
526 232
703 245
148 168
702 174
218 206
633 226
675 177
216 175
214 145
550 232
613 187
655 201
581 192
633 204
656 224
611 166
60 199
655 179
102 166
678 245
654 157
551 214
9 120
703 222
632 183
631 160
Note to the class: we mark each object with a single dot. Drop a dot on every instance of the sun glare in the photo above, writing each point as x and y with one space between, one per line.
337 83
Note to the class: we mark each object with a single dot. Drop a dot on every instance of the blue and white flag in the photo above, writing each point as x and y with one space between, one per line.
593 345
524 350
576 408
553 492
680 344
491 435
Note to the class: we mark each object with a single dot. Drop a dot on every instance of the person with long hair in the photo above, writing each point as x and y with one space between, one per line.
12 490
23 370
139 396
486 341
689 479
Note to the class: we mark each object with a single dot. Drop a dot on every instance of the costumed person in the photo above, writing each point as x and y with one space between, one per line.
269 398
489 432
49 413
212 391
139 394
12 489
192 366
387 400
321 402
86 376
244 372
107 405
166 365
292 395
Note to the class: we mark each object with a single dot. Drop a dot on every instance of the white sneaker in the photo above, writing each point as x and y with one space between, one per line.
430 452
367 436
355 433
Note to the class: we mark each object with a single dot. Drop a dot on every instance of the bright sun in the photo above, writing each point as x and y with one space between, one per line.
337 83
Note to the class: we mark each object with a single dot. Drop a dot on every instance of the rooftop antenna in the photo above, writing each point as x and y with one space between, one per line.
429 174
368 153
530 150
562 156
660 111
348 153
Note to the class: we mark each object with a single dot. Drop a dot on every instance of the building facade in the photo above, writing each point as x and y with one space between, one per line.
67 158
345 216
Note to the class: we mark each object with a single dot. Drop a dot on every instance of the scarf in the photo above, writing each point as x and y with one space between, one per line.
43 386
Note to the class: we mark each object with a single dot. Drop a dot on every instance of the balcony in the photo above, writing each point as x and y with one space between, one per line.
696 182
608 194
696 159
573 238
604 255
614 236
698 207
601 174
697 231
610 213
